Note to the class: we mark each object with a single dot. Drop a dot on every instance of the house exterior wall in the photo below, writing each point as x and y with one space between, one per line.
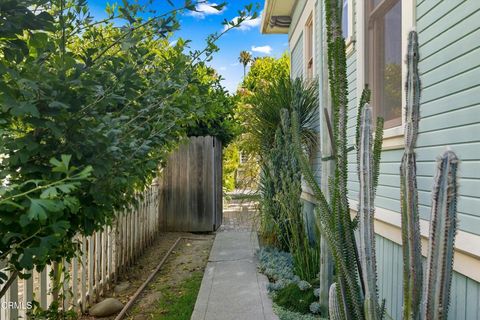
296 58
449 33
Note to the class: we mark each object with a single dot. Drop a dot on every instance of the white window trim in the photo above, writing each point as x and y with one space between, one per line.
392 137
350 41
310 20
467 253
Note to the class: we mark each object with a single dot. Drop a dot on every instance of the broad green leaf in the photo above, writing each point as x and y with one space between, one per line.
25 108
39 207
49 193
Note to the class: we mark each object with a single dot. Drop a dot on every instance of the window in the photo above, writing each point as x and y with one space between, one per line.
385 59
345 22
309 48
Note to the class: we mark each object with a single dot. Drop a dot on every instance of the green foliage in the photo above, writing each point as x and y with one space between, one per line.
282 221
264 115
293 298
264 71
293 231
215 108
113 95
177 303
231 161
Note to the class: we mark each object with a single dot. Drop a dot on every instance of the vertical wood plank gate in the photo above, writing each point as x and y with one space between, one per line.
191 187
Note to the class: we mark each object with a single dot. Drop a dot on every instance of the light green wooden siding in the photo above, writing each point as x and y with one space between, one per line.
297 59
465 294
449 34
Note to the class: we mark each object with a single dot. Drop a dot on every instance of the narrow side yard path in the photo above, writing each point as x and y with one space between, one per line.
231 288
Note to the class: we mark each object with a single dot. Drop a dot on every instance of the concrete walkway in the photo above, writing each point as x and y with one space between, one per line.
232 289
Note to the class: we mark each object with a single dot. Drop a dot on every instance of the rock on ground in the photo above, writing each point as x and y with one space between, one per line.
121 287
106 308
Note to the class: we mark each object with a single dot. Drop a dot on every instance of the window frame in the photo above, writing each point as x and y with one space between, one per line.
375 39
350 40
393 137
309 48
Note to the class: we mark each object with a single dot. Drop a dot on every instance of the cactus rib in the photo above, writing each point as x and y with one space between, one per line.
442 237
366 213
411 238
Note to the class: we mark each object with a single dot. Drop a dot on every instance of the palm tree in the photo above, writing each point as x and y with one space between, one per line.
245 58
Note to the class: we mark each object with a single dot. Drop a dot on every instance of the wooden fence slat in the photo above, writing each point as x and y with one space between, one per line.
74 285
66 285
104 255
83 280
28 293
12 298
43 288
91 269
109 255
103 262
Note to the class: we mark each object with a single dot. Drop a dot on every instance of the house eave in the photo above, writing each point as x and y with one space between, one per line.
276 16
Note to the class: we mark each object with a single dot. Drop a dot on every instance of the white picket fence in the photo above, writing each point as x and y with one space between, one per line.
103 257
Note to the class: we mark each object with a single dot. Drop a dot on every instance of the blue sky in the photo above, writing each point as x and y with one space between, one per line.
196 26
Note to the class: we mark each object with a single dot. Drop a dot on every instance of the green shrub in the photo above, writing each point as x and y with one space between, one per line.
291 297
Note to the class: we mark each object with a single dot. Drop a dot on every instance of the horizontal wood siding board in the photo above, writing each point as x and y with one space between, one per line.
451 52
455 101
465 293
440 18
457 84
297 58
450 136
431 45
452 69
423 7
452 118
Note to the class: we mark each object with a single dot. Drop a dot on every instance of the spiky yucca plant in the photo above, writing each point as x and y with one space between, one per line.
265 112
282 209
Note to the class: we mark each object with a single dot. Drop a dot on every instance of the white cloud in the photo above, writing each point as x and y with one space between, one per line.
262 49
247 24
205 9
222 68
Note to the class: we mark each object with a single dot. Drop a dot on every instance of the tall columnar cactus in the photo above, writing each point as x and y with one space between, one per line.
411 238
334 311
367 176
433 304
442 236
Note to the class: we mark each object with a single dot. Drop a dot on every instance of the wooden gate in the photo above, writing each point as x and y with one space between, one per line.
191 187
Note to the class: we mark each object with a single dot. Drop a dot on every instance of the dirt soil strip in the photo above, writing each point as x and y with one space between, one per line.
188 257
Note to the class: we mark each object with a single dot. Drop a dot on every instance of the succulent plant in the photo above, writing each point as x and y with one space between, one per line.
442 237
429 300
411 238
334 310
